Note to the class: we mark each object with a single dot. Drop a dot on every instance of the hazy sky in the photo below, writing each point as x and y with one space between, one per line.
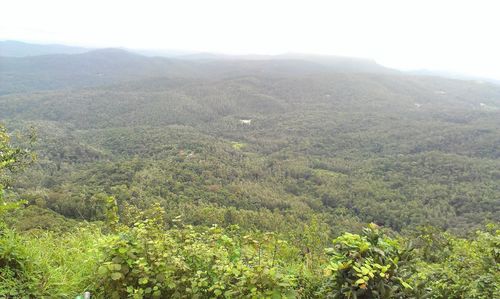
454 35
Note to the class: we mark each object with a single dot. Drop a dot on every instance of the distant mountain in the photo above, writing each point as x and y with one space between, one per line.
346 64
339 63
110 66
161 53
452 75
10 48
289 61
93 68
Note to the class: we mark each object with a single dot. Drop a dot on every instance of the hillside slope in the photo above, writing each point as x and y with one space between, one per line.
349 146
107 66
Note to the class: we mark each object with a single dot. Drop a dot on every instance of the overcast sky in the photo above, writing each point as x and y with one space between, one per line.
453 35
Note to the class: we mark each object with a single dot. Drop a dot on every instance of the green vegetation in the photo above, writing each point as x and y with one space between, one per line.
370 266
340 187
144 260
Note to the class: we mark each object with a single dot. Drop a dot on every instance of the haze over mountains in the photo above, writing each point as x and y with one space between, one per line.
103 66
10 48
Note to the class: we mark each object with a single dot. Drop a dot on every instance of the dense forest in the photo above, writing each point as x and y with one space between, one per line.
287 177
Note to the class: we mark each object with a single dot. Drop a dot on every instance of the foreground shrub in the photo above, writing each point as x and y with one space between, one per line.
464 268
371 265
17 277
146 261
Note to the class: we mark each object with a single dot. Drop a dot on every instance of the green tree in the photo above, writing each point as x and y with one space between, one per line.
12 158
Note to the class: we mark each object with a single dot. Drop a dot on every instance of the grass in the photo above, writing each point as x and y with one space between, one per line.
64 265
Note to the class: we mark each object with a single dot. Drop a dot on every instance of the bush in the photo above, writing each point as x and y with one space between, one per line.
17 277
371 265
146 261
468 268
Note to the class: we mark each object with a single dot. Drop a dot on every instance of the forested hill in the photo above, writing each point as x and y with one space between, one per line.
322 138
105 66
229 177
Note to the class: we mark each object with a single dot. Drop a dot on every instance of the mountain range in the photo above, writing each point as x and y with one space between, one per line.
11 48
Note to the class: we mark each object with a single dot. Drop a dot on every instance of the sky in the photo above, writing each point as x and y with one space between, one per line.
451 35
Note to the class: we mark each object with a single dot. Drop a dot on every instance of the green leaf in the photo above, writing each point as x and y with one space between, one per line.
102 270
360 281
406 285
116 267
116 275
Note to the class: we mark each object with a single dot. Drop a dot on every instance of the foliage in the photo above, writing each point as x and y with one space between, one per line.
13 260
12 159
145 261
371 265
46 264
320 143
462 268
16 276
